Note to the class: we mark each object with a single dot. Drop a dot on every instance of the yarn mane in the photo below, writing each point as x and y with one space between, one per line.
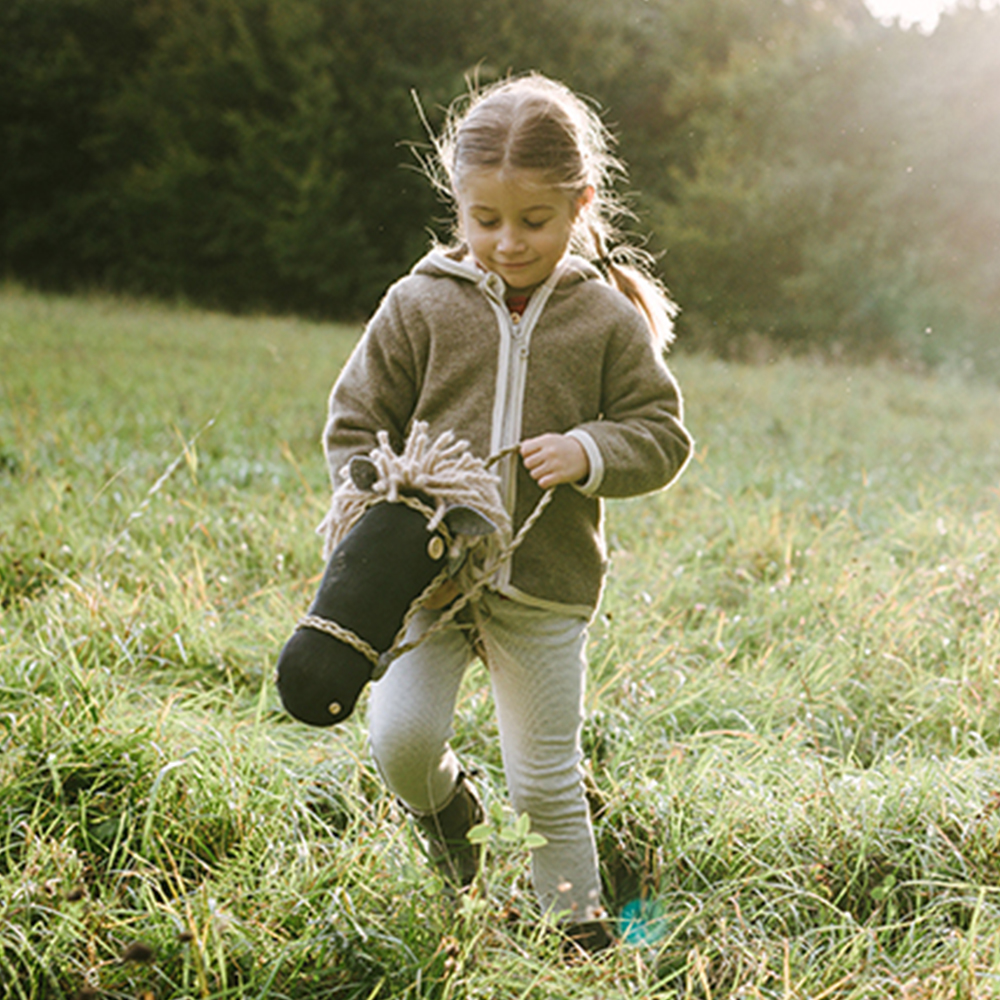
445 470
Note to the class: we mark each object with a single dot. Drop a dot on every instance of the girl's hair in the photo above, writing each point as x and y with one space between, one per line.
533 123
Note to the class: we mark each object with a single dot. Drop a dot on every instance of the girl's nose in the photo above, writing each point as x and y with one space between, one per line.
509 240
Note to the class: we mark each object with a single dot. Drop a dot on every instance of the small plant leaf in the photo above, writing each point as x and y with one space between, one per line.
479 834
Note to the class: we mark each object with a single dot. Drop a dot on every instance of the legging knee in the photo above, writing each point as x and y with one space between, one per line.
416 766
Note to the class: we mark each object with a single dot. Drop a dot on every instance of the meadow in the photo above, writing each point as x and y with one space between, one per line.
793 724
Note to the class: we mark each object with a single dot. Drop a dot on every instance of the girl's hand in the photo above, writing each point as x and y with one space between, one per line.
555 458
445 594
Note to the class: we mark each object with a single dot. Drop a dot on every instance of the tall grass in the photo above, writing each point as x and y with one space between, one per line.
793 706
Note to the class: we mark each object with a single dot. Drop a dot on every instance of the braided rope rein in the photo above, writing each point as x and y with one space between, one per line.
477 582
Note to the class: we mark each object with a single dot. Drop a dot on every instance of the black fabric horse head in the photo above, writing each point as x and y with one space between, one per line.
381 566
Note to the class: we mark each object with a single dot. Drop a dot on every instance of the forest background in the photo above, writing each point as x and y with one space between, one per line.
814 180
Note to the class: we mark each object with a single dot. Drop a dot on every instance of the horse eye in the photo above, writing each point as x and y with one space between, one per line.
435 547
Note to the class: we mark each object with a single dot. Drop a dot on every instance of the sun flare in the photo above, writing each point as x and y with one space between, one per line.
923 13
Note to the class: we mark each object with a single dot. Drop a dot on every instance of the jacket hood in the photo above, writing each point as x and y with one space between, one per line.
457 262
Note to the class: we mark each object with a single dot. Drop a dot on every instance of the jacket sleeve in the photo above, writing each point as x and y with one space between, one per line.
643 443
376 390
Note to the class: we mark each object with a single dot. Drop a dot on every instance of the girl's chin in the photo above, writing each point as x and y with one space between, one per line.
517 277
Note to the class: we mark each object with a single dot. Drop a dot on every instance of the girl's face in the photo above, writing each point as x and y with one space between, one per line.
515 224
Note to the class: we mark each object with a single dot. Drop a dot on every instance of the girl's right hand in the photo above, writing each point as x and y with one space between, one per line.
555 458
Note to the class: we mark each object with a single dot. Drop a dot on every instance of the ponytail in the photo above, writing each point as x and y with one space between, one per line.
629 270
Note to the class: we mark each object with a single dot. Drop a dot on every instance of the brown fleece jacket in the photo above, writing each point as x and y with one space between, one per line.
434 351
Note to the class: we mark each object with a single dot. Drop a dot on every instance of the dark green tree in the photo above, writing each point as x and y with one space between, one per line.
62 60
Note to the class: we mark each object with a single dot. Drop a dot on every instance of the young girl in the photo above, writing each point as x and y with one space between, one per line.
513 336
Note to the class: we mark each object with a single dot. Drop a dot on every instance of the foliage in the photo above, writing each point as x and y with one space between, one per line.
793 721
816 180
240 162
846 197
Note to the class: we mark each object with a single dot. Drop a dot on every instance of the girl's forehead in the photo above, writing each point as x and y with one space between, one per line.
508 185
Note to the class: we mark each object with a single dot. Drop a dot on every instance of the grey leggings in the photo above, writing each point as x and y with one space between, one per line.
536 662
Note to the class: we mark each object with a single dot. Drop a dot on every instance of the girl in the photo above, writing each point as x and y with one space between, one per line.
513 335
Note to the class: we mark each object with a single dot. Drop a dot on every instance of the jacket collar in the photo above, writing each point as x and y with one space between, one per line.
457 262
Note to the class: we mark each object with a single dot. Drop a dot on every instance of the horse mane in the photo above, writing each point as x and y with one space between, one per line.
444 470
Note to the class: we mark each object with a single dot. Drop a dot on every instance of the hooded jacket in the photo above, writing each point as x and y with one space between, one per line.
443 347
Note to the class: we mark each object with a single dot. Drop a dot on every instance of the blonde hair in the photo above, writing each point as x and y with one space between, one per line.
533 123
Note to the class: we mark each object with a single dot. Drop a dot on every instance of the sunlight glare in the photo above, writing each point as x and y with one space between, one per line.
922 13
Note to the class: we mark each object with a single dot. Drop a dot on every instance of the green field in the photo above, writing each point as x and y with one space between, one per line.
794 710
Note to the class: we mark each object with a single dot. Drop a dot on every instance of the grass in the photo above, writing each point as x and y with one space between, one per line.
793 724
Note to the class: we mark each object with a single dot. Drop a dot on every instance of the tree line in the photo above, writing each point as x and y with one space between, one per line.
809 177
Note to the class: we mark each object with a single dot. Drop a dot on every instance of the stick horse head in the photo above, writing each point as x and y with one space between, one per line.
399 528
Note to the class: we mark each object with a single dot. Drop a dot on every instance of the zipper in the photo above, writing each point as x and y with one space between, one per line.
513 352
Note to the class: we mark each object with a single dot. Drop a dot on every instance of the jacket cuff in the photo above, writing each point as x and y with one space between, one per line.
593 482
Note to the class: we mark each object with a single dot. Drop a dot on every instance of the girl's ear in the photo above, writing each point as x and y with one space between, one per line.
584 201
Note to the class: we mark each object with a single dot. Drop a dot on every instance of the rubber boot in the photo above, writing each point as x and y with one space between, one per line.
448 847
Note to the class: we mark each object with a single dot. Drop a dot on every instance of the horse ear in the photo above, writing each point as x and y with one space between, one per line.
462 520
363 473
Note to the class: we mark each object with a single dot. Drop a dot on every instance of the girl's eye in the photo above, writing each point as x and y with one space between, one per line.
532 224
487 223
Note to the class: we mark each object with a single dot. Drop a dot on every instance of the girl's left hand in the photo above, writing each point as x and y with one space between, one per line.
555 458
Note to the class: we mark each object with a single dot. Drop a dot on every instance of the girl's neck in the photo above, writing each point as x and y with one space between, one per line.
517 301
